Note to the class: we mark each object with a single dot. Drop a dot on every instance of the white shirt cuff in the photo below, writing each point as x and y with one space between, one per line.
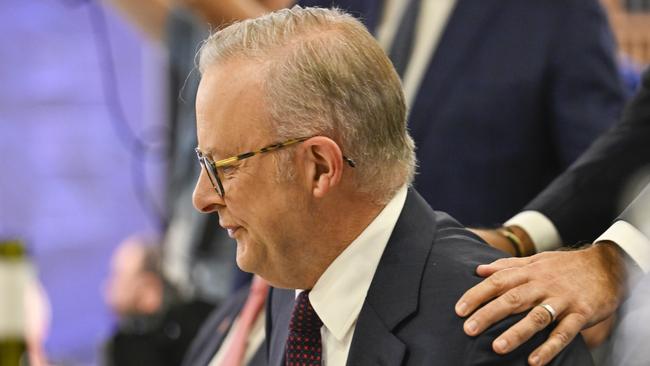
631 240
539 228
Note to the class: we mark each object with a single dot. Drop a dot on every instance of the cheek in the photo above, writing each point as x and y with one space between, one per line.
262 204
251 203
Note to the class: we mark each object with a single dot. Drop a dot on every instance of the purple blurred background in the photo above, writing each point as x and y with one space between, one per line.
67 182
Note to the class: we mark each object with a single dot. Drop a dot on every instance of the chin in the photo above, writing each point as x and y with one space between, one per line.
244 262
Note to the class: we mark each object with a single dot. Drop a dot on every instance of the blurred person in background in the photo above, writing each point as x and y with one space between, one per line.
154 326
55 97
503 95
195 254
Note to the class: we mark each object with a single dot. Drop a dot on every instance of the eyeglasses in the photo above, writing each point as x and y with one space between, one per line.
211 167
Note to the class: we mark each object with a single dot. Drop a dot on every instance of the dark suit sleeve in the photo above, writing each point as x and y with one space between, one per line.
582 202
583 84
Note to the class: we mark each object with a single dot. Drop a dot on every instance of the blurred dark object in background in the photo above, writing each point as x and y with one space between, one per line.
155 325
14 272
24 308
637 5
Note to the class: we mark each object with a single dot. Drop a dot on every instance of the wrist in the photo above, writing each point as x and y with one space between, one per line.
526 244
621 267
513 240
495 239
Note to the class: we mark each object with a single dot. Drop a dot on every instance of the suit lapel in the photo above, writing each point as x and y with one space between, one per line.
468 20
373 343
394 292
280 307
222 330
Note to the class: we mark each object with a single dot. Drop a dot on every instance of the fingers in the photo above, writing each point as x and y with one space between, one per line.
536 320
514 301
488 289
485 270
560 337
597 334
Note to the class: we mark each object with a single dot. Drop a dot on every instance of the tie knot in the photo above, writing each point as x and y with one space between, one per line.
304 319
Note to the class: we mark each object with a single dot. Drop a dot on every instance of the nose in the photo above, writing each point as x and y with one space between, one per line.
205 198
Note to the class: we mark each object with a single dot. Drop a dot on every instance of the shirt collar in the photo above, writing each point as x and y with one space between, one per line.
339 293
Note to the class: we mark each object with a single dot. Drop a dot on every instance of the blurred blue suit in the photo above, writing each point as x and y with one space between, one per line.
515 91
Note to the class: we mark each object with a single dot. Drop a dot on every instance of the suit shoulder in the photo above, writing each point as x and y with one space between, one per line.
450 271
459 247
451 266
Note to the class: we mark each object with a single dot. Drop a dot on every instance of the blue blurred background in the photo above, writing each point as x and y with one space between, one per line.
71 187
83 121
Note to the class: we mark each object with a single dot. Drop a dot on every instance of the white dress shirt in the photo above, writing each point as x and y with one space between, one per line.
431 22
546 237
339 293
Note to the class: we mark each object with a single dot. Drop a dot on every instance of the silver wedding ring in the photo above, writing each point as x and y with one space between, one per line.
550 310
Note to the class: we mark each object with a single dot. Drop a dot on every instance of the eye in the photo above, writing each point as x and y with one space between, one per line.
228 170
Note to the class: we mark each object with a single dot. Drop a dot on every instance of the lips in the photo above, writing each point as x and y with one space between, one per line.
231 232
232 229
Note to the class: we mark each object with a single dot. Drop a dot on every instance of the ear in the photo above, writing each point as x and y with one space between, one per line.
324 164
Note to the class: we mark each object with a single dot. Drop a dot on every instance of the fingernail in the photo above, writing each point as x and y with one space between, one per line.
534 360
471 326
461 309
501 345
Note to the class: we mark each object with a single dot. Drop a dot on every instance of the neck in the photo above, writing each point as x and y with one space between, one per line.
338 224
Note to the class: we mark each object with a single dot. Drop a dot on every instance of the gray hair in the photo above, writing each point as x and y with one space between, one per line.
326 75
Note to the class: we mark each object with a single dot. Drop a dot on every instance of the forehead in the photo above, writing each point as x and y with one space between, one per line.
230 108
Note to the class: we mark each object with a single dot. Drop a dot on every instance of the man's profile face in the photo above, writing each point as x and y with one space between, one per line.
260 213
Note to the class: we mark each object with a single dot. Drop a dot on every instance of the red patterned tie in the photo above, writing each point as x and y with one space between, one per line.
304 346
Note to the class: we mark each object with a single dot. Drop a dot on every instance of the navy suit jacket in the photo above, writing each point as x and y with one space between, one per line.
215 329
408 315
515 91
585 199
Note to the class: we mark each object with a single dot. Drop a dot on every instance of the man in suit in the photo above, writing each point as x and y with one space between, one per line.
306 159
586 285
504 94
